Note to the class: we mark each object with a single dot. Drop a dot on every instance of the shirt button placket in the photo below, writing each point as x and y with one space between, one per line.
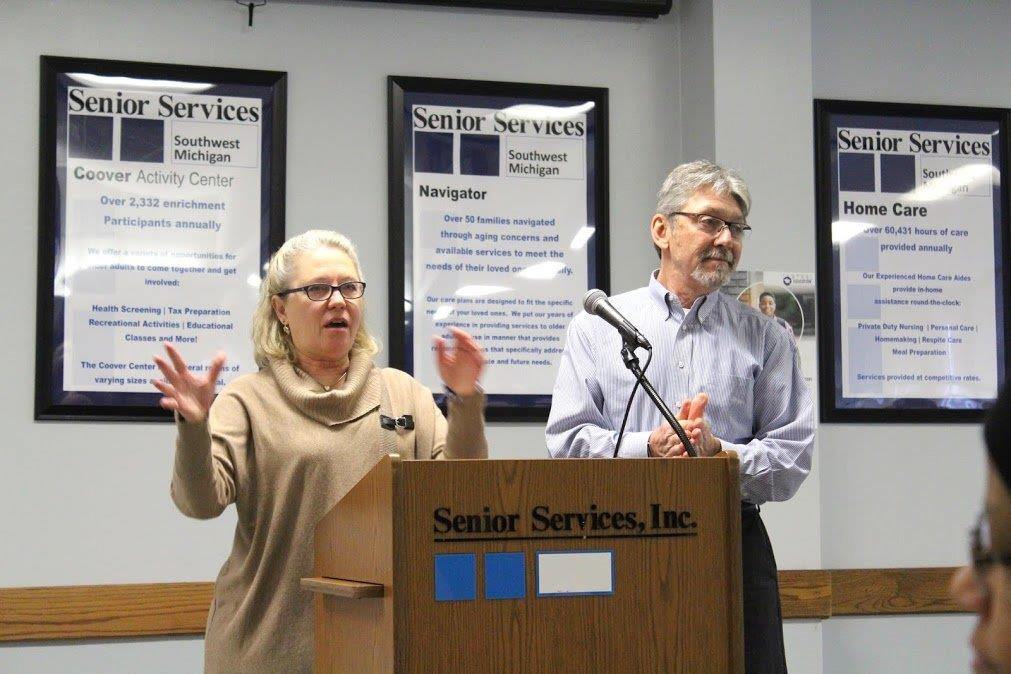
685 356
681 351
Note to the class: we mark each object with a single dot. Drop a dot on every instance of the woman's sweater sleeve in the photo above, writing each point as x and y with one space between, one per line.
204 479
462 437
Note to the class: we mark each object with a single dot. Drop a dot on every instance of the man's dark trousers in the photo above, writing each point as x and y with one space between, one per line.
763 618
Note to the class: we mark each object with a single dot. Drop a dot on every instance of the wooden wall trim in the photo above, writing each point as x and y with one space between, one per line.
892 591
806 594
103 611
161 609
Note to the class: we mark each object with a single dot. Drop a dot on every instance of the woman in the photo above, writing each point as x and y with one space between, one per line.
285 444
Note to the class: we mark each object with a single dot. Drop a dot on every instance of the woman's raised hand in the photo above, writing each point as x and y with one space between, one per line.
188 394
460 366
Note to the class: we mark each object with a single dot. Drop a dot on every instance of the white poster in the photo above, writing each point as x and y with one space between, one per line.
502 228
154 247
160 231
917 260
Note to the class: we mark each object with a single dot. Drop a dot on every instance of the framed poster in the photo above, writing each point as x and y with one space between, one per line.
161 196
498 225
912 260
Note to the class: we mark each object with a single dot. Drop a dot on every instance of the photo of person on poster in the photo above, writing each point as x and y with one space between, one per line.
767 305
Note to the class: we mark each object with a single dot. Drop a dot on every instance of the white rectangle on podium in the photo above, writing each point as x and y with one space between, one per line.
575 573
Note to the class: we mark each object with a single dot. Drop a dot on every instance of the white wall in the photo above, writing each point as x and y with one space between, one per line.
904 495
88 503
175 655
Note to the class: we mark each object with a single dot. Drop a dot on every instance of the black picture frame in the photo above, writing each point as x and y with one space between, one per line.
645 8
404 92
57 76
945 160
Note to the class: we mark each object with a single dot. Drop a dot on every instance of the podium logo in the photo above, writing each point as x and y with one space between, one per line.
547 523
486 522
456 576
557 573
575 572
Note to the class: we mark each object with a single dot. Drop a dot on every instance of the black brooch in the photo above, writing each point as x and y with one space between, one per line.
391 424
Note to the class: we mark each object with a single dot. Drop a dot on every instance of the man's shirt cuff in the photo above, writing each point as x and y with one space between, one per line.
635 445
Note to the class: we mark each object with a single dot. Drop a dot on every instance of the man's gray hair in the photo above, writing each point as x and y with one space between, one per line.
687 179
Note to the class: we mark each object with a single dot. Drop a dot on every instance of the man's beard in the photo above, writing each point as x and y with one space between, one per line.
717 277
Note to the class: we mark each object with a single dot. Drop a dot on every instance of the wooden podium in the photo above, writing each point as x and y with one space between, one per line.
577 565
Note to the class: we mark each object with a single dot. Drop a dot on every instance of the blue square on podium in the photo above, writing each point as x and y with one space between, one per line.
505 575
456 577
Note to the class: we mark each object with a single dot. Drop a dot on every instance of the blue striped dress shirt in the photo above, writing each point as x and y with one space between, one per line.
759 405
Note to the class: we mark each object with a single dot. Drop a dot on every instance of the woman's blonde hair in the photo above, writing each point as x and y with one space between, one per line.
269 340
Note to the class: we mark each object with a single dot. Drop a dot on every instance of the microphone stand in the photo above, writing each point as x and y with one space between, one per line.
632 363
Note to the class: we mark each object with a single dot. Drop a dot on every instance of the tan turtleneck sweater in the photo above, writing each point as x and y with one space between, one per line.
285 451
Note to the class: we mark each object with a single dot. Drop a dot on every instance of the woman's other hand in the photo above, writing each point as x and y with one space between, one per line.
460 367
184 392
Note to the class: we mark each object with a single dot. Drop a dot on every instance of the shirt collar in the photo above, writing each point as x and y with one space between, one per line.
659 294
668 301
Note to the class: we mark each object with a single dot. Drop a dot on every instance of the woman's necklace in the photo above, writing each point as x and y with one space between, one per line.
337 385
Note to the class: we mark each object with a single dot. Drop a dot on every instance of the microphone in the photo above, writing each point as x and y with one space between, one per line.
595 302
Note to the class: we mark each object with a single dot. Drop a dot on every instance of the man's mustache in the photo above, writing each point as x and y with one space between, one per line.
718 254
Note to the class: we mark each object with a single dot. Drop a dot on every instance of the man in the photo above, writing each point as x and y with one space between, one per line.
735 370
767 305
985 588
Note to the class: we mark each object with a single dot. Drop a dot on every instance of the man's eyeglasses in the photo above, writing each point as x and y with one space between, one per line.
712 225
321 292
981 550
